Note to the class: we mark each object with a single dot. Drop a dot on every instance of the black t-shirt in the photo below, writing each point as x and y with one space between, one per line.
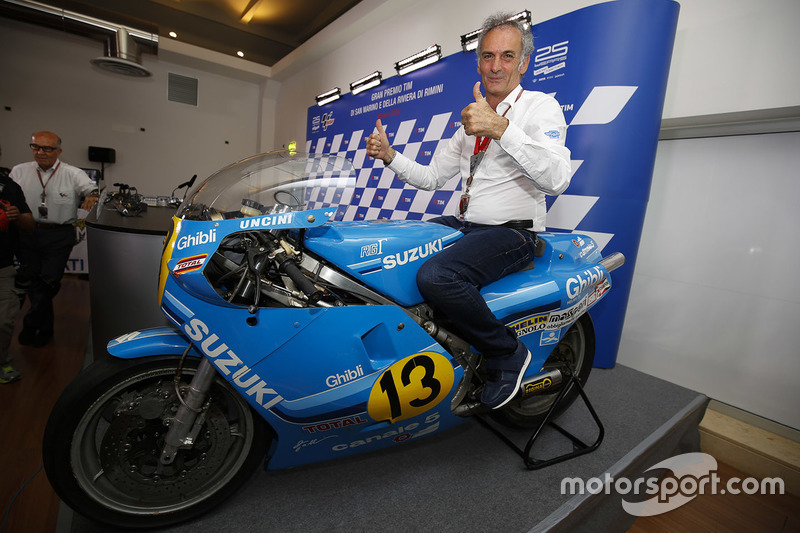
11 193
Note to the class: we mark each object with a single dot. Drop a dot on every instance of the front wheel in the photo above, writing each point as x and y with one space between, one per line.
104 438
576 351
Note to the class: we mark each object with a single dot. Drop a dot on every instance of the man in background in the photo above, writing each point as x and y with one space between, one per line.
54 190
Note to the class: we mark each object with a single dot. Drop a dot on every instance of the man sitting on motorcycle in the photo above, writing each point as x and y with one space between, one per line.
509 152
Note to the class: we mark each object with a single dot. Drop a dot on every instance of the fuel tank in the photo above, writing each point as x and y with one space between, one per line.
384 255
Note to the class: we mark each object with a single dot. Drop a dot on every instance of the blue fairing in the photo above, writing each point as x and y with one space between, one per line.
153 341
343 355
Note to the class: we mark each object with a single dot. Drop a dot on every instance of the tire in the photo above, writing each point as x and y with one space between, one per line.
103 441
576 349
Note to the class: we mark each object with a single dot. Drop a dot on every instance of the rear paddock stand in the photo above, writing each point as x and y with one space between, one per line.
579 447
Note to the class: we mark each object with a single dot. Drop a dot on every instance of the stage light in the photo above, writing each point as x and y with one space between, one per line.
432 54
524 17
469 41
367 82
328 97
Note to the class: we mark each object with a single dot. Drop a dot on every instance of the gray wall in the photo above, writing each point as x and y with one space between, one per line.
49 84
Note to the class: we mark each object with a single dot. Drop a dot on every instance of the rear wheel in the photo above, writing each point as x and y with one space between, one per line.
104 437
575 351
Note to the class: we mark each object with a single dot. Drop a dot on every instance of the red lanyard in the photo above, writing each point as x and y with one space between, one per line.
44 184
481 143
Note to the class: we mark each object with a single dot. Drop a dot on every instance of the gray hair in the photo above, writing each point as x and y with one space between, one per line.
502 19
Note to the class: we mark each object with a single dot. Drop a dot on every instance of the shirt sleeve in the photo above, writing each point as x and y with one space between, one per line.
83 183
444 165
15 173
535 142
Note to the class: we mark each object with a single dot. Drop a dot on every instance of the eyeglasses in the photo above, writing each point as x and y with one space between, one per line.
45 149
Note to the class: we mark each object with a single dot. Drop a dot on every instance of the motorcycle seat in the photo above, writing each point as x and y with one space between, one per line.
538 252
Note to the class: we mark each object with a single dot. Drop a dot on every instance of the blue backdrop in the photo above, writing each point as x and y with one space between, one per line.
607 66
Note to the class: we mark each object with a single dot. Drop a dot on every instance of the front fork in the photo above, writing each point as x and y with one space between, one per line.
188 421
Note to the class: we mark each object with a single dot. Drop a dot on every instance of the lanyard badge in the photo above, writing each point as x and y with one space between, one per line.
43 206
474 162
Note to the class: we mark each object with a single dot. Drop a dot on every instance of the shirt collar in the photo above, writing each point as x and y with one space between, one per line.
49 170
509 100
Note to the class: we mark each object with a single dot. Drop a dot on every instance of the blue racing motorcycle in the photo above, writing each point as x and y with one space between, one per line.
300 337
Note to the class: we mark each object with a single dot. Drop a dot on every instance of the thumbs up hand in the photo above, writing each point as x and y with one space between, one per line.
477 94
480 119
378 145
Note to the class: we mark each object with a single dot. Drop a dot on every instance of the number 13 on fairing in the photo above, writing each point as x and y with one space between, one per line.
410 387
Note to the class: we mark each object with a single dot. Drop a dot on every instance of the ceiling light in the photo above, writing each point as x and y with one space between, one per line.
250 11
328 97
367 82
173 35
240 53
432 54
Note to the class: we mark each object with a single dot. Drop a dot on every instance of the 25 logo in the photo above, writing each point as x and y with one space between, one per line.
551 52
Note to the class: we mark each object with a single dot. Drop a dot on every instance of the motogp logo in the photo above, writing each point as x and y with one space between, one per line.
327 121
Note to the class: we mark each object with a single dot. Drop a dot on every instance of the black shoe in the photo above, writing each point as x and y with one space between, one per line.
9 374
42 339
27 336
505 377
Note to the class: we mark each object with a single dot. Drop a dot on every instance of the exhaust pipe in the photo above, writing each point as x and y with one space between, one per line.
613 261
545 383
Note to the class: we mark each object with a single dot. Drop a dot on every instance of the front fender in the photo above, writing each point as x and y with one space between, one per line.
147 342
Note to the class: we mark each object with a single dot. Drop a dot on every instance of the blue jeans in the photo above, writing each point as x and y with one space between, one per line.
451 280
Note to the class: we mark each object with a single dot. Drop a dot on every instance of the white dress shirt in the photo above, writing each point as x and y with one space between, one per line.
64 190
527 162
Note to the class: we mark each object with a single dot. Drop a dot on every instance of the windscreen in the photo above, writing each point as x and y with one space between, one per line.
276 182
